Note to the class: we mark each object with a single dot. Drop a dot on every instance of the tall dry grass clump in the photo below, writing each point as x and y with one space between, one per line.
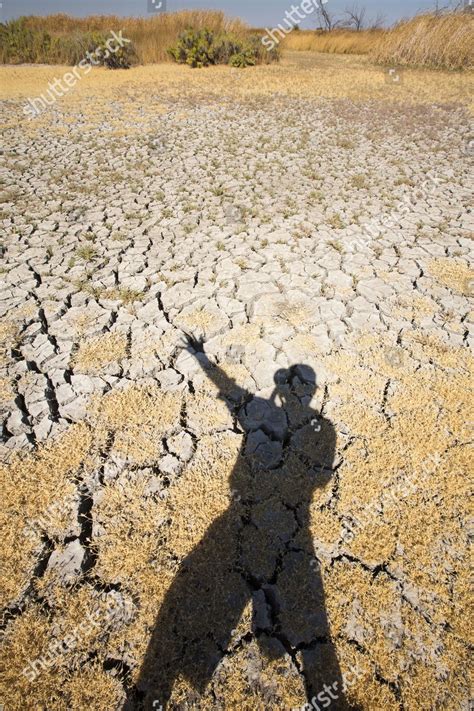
54 39
443 41
334 42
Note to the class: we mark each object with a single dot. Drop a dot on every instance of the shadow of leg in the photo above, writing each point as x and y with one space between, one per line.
202 607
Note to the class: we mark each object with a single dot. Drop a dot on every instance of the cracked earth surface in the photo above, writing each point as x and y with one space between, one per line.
280 231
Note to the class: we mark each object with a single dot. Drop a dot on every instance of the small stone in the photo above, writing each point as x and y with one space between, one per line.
181 445
67 563
169 464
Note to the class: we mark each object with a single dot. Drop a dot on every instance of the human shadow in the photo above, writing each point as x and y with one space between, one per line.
260 549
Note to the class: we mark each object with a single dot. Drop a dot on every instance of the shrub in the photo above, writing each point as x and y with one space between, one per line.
203 47
20 43
242 59
61 39
121 58
194 48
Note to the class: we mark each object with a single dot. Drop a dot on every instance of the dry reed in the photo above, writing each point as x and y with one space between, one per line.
443 41
335 42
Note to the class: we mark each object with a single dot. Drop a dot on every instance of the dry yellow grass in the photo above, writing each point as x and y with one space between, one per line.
444 41
335 42
138 417
30 485
440 41
421 533
93 356
151 36
454 274
428 40
299 74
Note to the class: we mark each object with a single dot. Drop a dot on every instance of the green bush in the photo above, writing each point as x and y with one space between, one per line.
121 58
242 59
194 48
19 43
202 48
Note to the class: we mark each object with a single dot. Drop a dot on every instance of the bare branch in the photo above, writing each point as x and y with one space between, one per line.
377 22
326 18
356 17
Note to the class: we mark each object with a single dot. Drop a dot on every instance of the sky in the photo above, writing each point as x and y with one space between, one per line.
259 13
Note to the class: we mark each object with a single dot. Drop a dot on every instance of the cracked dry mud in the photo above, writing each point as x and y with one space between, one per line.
276 230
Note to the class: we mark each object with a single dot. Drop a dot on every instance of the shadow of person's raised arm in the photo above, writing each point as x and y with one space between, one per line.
228 388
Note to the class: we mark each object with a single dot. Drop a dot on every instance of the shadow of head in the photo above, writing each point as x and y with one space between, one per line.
299 380
286 438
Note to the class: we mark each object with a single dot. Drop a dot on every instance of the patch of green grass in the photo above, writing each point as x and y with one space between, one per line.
86 252
337 245
336 222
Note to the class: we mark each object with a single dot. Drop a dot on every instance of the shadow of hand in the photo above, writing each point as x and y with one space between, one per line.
193 345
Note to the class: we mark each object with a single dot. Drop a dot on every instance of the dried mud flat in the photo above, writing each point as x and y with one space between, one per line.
332 233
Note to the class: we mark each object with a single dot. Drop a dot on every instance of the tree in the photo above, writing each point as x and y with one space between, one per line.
377 22
326 18
355 17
